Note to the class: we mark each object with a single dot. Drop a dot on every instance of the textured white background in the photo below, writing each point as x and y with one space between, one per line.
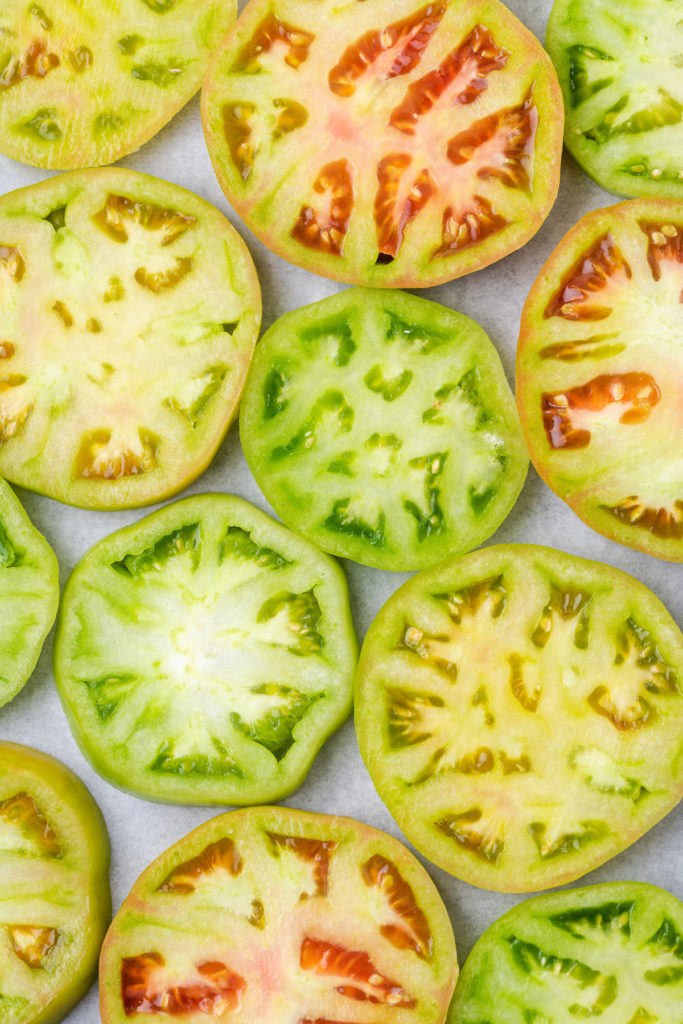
338 782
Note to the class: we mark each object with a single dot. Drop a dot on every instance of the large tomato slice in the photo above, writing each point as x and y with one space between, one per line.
277 916
130 308
621 72
84 84
612 953
54 880
520 713
401 143
600 373
205 653
380 426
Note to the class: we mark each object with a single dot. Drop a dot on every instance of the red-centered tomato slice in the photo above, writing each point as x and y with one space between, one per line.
385 143
278 916
54 884
520 713
600 373
130 308
85 84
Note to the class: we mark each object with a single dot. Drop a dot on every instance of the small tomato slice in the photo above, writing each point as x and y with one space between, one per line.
54 877
520 713
204 654
29 593
385 143
381 427
600 373
620 67
130 308
611 952
82 85
276 915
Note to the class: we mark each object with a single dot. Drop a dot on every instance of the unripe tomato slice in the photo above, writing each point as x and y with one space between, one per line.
54 881
520 713
130 308
380 426
82 85
401 143
204 654
600 373
276 915
611 952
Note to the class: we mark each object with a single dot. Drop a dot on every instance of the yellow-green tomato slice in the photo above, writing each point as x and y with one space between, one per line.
54 887
84 84
520 713
204 654
380 426
278 916
130 308
612 953
29 593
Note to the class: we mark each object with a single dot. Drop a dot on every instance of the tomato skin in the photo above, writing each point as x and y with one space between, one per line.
82 844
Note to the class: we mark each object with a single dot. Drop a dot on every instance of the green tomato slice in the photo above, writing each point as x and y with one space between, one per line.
395 143
130 308
277 916
520 713
82 85
204 654
380 426
611 952
54 883
600 373
620 65
29 594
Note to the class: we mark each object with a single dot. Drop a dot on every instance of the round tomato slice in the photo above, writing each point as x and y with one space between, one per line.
130 308
281 917
204 654
54 877
401 143
613 952
621 72
381 427
520 713
600 373
29 594
82 85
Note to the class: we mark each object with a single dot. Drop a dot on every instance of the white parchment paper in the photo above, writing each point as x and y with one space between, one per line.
338 782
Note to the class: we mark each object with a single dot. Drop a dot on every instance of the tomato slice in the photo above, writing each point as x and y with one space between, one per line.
204 654
54 874
619 65
380 426
29 593
403 144
613 952
85 86
520 713
130 311
273 914
600 373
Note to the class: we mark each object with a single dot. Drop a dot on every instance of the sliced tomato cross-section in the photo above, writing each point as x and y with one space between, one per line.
289 918
385 144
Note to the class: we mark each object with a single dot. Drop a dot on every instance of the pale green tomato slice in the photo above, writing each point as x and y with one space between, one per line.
54 887
277 916
520 712
205 653
29 594
130 308
612 953
381 427
85 84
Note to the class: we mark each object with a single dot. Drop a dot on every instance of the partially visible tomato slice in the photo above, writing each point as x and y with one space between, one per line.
401 144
